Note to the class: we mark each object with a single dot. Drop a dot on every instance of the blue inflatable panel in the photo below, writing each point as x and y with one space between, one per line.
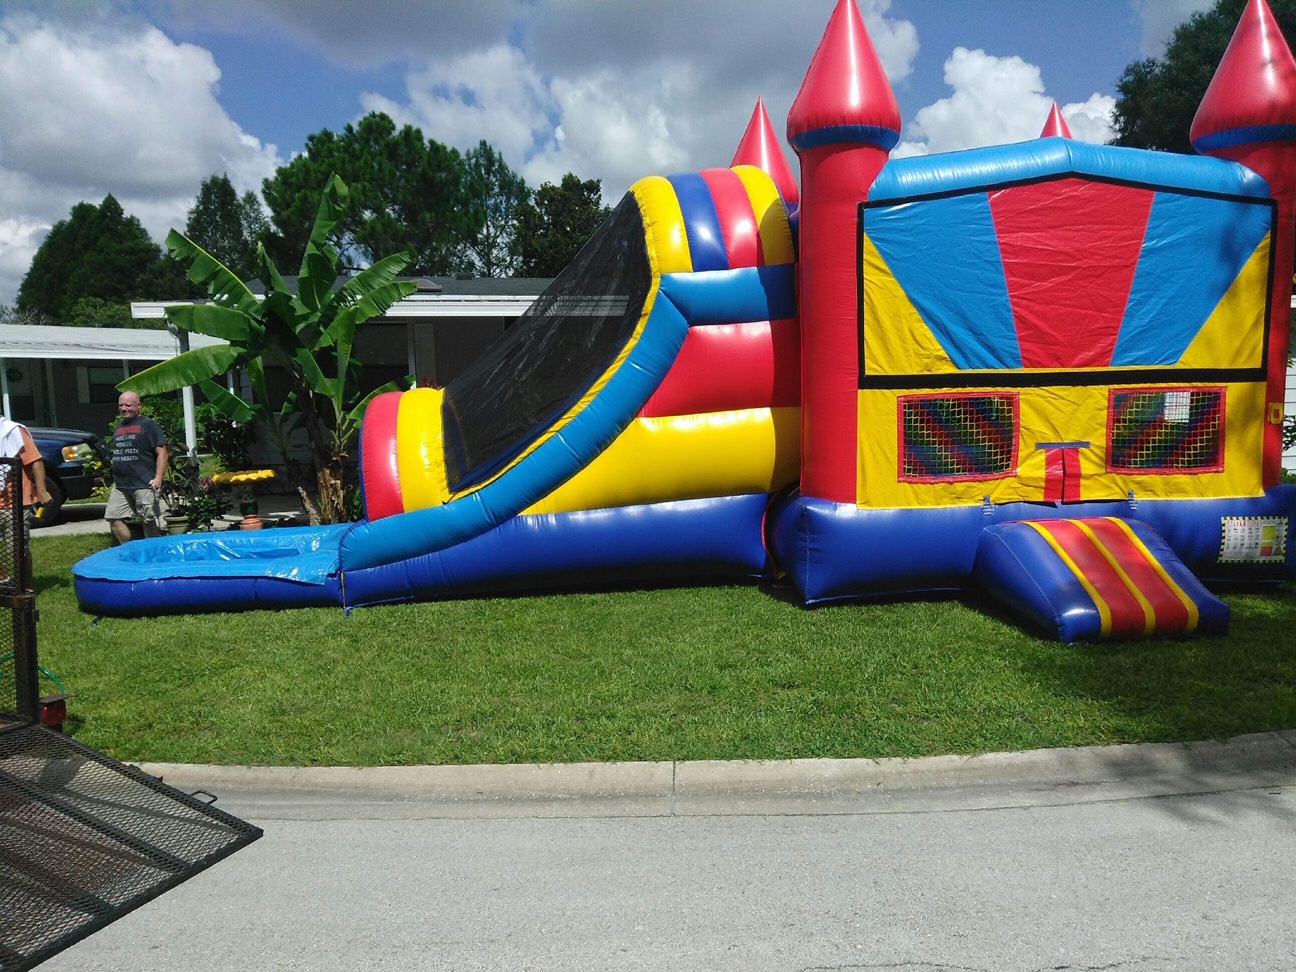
232 571
734 296
716 537
839 551
1045 157
1018 567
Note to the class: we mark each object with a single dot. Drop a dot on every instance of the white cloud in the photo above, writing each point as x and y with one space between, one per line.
997 100
107 108
603 91
1161 17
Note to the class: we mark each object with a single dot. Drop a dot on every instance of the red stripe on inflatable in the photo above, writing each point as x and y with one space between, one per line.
1069 248
1171 615
737 221
729 366
1054 471
1126 612
378 466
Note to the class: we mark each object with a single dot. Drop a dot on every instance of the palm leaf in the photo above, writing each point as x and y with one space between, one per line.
184 369
222 283
319 264
384 271
341 332
213 320
229 404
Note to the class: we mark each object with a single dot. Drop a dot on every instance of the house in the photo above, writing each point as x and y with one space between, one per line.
68 376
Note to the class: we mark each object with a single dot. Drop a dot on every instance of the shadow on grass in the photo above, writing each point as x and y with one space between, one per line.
1188 689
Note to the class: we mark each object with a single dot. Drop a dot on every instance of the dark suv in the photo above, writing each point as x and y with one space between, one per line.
66 477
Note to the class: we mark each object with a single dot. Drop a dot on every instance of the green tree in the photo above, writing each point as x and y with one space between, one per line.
494 193
309 333
1158 97
98 251
406 193
227 226
553 226
97 312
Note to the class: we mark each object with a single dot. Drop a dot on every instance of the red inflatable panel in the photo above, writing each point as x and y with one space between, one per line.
737 221
1070 248
378 467
1171 614
730 366
1127 617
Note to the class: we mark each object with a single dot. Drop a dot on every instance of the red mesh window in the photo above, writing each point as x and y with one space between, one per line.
957 436
1166 430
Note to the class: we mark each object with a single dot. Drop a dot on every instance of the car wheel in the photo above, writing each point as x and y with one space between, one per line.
51 512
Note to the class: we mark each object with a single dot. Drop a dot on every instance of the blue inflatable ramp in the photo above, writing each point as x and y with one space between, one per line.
1094 578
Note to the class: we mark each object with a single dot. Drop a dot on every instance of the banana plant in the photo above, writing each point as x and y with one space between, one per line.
309 334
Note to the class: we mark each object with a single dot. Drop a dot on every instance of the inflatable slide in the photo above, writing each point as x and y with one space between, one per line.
1052 371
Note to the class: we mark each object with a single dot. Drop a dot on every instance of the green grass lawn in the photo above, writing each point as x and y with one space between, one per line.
694 673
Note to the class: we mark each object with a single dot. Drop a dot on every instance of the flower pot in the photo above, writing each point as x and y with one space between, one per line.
176 524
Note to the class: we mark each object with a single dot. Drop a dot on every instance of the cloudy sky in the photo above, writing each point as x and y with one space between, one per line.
146 98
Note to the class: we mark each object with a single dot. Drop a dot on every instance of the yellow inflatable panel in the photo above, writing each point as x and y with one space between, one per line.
771 215
420 456
659 460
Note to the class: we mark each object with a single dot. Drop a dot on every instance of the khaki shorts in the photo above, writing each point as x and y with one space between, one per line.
128 504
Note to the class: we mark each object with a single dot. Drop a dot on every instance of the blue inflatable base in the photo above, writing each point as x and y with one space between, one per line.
841 552
712 538
1018 568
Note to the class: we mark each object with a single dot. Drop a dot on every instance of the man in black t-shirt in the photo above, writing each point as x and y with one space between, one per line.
139 461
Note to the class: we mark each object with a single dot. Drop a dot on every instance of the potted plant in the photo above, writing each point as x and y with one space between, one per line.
193 501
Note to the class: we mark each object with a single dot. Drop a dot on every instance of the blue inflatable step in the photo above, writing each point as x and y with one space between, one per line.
1095 577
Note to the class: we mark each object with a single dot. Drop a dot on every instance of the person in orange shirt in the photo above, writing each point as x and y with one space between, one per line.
16 443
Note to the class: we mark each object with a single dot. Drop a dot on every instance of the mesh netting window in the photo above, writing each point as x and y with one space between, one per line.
551 356
957 437
1166 430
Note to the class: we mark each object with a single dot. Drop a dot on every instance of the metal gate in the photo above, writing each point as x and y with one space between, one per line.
84 839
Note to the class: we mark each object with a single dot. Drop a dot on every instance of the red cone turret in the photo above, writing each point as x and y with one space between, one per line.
843 123
760 147
1248 115
1252 97
1056 124
845 97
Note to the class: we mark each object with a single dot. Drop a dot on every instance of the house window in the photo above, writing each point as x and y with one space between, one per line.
1165 430
957 436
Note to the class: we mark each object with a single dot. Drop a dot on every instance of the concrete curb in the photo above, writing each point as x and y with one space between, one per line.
1038 777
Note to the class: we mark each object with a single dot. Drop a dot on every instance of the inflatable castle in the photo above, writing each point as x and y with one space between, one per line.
1051 371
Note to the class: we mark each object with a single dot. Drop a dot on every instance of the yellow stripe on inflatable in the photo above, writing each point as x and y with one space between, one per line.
1104 612
668 249
771 215
680 457
1149 612
1233 335
420 456
1193 614
897 341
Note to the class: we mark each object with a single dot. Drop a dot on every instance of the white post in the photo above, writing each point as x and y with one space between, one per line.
187 399
4 388
49 388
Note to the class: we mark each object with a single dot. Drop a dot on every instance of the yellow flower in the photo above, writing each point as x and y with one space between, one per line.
243 476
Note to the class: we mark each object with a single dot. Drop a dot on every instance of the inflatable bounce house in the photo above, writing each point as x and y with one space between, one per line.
1051 370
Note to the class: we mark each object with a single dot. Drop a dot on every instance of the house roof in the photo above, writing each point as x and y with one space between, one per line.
436 297
94 343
